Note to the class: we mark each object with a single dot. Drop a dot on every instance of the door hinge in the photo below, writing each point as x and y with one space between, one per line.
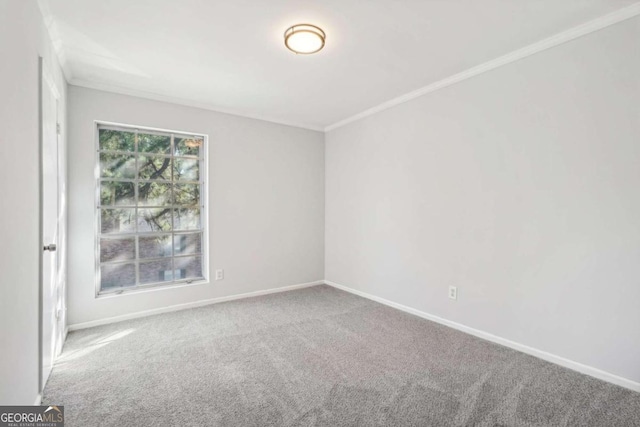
58 128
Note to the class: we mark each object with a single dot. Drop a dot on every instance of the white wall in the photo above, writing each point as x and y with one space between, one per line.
520 186
266 195
23 38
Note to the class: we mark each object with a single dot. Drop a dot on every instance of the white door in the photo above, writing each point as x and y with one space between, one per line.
50 283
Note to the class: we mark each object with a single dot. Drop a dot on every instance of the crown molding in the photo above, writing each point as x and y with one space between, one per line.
107 87
54 37
548 43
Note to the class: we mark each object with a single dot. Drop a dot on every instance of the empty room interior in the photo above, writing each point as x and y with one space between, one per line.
320 213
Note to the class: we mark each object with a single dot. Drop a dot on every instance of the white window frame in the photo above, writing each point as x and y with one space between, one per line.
204 216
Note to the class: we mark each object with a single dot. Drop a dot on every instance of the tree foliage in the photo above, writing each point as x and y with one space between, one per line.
161 178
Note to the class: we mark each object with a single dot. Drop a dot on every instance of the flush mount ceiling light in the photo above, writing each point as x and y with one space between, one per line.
304 39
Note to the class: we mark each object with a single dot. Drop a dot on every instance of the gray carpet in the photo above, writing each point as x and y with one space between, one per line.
316 357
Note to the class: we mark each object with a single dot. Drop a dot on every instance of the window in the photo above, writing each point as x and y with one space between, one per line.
150 213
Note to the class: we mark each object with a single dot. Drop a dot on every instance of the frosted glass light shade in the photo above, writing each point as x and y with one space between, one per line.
304 39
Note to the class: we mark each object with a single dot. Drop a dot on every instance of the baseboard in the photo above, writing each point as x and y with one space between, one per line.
38 401
188 305
558 360
64 339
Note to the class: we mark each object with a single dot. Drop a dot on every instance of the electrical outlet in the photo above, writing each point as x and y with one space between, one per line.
453 292
219 274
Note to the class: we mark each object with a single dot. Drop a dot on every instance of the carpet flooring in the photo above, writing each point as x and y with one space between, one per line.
316 357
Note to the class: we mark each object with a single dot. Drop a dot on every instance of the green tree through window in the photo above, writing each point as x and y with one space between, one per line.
149 207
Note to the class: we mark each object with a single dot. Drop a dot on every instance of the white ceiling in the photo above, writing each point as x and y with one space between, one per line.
229 55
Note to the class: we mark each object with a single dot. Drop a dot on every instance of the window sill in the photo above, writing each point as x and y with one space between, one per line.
151 288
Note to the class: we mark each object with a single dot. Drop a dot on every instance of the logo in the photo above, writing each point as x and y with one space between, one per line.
32 416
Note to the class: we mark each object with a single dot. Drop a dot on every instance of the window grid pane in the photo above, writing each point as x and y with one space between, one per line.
157 208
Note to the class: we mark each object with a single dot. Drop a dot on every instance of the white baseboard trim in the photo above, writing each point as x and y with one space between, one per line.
38 401
188 305
558 360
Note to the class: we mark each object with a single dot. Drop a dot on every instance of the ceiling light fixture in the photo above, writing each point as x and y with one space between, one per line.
304 39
